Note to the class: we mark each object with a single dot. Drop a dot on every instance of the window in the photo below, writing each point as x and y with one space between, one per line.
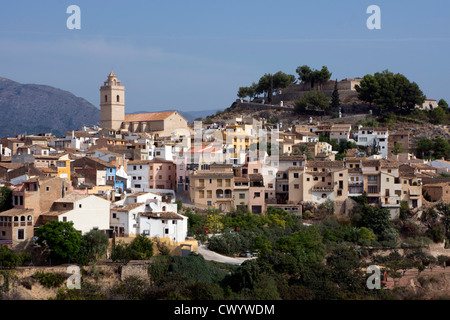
373 189
118 98
219 182
209 203
296 186
270 185
257 195
296 175
209 194
114 215
255 170
201 194
134 167
339 193
47 189
20 234
372 179
241 195
64 219
79 206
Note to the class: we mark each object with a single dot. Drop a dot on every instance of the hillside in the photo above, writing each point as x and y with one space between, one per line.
33 109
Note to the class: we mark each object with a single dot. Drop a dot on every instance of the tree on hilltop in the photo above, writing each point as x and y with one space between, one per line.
390 92
311 76
335 102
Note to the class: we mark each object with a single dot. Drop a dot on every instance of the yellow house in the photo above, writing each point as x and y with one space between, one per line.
63 167
240 137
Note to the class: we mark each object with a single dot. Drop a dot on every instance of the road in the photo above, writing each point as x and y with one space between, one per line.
213 256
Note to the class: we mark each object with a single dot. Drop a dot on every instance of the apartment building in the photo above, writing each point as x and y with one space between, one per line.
30 199
374 137
213 187
318 181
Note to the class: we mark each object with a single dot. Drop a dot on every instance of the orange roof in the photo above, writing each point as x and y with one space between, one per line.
152 116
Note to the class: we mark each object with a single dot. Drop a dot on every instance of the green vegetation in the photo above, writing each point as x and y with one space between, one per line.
390 92
10 259
267 85
60 239
340 147
312 101
5 199
49 279
435 148
141 248
335 102
313 77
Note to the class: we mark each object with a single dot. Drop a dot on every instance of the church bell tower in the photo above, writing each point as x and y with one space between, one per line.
112 103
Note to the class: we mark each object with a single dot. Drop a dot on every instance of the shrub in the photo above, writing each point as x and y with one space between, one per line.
9 259
409 230
436 233
50 280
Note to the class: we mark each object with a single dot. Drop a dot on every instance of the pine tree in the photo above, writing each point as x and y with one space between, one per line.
335 102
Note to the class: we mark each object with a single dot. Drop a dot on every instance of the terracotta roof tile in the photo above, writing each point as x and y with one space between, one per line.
151 116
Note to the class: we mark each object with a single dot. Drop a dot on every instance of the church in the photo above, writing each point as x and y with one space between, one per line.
113 117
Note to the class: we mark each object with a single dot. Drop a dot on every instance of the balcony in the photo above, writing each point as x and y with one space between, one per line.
322 189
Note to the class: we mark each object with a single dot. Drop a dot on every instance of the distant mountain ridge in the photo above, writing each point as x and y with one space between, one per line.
34 109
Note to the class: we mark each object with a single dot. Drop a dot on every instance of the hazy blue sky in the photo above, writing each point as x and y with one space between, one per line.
193 55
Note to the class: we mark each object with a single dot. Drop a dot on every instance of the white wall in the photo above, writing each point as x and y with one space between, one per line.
94 213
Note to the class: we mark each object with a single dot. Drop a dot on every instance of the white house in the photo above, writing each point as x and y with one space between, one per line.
340 132
164 225
147 213
5 151
81 140
378 137
139 173
87 212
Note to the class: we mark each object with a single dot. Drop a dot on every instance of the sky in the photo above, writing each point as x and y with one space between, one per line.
194 55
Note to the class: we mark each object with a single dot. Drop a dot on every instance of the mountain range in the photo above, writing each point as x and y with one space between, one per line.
35 108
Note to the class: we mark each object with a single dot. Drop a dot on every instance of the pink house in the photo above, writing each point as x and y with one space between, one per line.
162 174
